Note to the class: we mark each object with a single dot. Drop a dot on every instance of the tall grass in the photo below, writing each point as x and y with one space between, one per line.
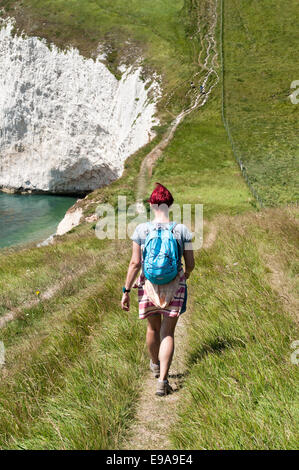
74 360
77 362
259 43
241 390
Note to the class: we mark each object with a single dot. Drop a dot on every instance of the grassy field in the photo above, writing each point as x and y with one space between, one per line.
259 43
241 389
74 361
199 167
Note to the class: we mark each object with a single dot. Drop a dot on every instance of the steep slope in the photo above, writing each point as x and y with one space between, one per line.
77 359
259 41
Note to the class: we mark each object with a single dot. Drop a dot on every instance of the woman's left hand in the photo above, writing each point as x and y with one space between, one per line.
125 301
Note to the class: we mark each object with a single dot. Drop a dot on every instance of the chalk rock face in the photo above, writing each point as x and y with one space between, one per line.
71 219
66 123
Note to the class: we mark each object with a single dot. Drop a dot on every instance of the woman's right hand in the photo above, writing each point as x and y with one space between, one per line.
187 275
125 301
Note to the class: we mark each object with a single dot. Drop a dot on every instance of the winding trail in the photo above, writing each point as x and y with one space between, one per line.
155 416
209 82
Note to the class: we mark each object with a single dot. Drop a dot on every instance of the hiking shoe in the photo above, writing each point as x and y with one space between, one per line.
155 368
163 388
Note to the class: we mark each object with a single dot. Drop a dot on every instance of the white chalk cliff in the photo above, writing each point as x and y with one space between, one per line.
66 123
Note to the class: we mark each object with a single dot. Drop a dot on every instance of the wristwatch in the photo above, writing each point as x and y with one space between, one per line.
126 290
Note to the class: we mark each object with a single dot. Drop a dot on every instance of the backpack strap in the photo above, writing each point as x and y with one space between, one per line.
172 226
149 228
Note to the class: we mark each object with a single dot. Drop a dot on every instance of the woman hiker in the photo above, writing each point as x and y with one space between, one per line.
158 247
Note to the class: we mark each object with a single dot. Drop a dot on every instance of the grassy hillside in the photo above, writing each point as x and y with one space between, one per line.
71 334
241 389
199 166
259 42
241 385
74 361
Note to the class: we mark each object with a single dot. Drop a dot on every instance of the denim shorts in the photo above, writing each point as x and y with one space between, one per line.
184 306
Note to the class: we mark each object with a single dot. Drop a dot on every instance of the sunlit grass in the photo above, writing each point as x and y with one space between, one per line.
199 167
259 43
241 389
74 361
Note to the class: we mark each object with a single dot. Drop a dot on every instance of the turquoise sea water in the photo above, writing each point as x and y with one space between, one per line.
32 217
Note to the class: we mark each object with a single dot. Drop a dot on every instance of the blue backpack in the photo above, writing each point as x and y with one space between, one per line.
161 259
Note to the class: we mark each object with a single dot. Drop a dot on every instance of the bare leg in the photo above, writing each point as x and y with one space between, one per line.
167 345
153 336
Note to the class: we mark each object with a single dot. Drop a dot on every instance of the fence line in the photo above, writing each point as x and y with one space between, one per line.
224 118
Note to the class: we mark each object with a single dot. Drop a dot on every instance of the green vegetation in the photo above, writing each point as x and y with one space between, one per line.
74 361
241 390
199 167
242 384
259 43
